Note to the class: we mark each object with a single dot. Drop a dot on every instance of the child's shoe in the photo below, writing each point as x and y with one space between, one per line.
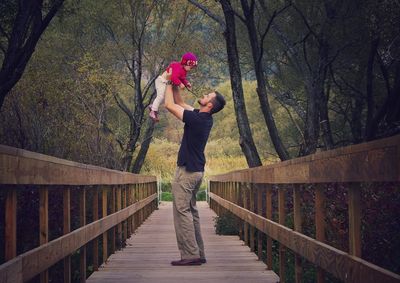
154 116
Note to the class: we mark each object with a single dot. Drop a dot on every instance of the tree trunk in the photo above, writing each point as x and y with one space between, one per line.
369 128
246 139
148 135
261 81
27 28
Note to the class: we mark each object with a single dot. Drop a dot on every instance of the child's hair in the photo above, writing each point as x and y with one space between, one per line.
189 59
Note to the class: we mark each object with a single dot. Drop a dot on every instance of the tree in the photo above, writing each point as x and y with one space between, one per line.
228 25
21 32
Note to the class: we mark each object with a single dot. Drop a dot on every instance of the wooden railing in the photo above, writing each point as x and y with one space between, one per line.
119 202
248 195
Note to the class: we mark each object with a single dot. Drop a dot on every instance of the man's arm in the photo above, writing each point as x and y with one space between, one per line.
170 104
178 100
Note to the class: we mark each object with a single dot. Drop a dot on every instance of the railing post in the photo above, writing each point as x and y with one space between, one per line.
320 222
268 212
95 207
282 249
11 224
245 206
252 209
119 225
239 202
125 223
104 214
112 210
82 220
297 217
44 224
355 219
66 230
128 203
259 212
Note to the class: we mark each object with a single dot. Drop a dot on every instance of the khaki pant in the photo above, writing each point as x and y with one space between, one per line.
186 216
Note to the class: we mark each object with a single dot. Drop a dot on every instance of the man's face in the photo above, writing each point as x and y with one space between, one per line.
206 99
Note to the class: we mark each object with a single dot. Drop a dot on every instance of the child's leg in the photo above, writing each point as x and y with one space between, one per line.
160 89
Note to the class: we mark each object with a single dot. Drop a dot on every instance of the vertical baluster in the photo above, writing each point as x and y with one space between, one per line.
252 209
297 227
112 210
282 250
245 206
355 219
320 222
259 212
240 203
119 225
128 203
11 224
133 201
95 207
82 220
125 221
44 224
268 212
104 214
66 230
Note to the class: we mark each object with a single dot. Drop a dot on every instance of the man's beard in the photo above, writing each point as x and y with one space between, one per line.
199 102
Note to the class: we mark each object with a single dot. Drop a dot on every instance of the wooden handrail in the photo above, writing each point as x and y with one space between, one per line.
19 166
238 192
368 162
132 198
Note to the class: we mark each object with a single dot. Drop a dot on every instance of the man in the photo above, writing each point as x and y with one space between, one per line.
190 171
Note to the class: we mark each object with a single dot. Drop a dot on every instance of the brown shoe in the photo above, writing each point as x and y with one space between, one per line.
185 262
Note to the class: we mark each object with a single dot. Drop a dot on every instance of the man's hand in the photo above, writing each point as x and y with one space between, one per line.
181 86
189 86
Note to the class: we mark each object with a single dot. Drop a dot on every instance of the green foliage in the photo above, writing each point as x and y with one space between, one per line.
166 196
201 195
226 224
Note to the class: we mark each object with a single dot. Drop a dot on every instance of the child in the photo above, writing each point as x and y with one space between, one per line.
178 78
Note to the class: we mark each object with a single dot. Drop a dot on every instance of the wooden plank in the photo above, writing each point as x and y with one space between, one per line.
228 260
82 220
297 227
18 165
320 223
66 230
375 161
50 253
340 264
11 224
44 225
355 220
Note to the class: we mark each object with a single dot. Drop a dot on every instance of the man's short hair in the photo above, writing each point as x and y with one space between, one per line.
218 102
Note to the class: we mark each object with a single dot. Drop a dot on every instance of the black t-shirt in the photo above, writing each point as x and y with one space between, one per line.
196 131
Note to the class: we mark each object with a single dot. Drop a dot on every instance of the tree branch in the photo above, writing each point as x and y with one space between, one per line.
208 13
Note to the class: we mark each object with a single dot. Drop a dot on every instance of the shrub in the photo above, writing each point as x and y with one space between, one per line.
226 224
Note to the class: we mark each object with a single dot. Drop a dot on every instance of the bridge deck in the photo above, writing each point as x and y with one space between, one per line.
149 251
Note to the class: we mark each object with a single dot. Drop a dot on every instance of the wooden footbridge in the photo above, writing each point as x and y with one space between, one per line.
112 227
